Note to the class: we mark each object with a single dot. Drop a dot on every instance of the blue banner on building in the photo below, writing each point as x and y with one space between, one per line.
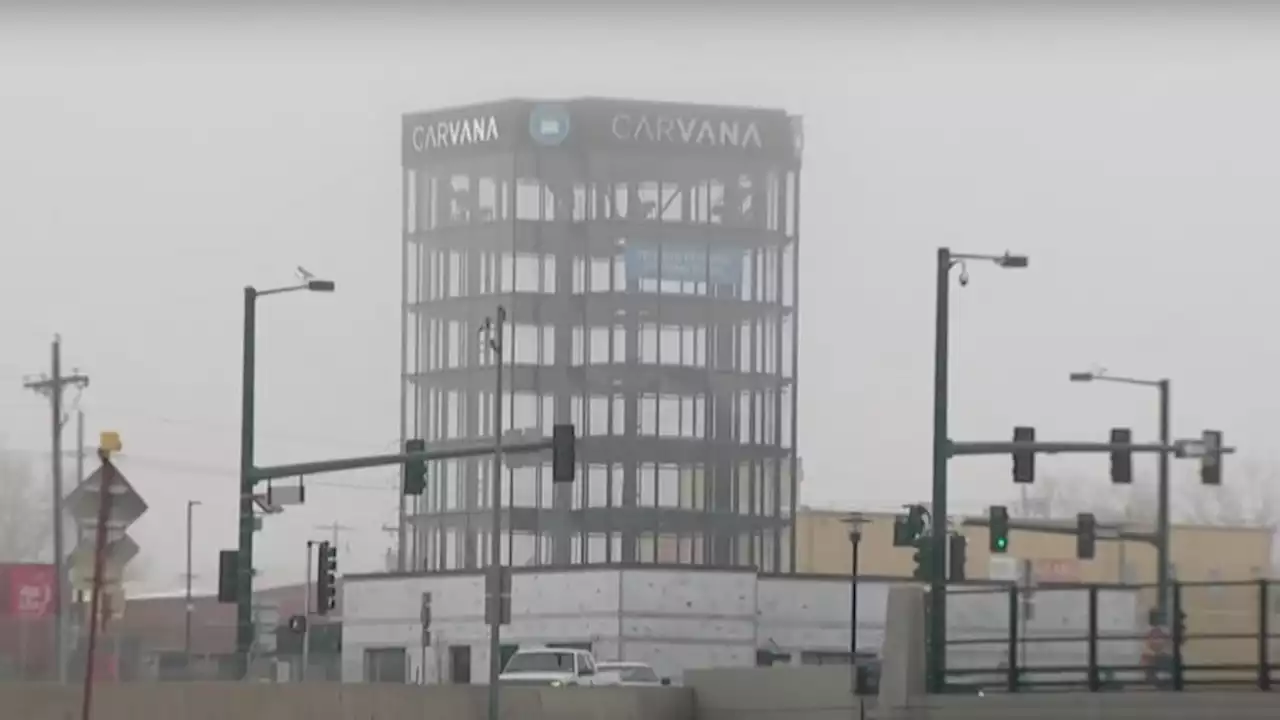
684 263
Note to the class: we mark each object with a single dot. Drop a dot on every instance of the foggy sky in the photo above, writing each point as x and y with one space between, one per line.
152 165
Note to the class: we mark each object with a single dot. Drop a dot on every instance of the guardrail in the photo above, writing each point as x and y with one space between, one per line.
1219 635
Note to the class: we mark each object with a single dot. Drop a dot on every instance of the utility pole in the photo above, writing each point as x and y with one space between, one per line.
52 386
335 529
397 566
80 445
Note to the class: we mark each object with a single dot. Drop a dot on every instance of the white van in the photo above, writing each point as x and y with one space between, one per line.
557 667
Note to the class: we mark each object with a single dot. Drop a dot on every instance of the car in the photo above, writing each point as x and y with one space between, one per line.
556 667
631 673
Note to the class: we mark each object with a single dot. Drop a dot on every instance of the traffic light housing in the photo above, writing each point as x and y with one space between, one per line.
1086 536
957 547
415 471
1121 460
228 575
326 578
1211 461
923 558
1024 461
907 528
563 454
998 528
902 535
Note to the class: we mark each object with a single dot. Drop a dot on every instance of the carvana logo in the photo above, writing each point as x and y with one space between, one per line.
549 124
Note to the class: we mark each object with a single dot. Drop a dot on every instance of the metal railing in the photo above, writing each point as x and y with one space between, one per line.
1218 635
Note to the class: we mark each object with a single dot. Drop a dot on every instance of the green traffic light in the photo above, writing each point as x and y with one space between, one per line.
1002 543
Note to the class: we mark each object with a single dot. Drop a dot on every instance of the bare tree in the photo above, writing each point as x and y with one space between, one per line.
1062 496
1249 496
24 511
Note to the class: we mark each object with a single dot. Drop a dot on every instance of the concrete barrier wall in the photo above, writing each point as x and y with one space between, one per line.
232 701
822 693
817 693
774 693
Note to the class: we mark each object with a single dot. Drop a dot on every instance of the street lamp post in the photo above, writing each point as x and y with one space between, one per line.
1162 481
937 625
855 523
244 578
186 630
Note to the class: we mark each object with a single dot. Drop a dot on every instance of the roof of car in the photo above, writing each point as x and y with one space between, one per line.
622 663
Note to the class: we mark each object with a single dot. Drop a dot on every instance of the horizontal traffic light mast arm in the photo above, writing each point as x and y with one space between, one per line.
1052 527
1003 447
368 461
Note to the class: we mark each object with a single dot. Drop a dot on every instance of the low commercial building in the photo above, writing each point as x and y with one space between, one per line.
674 618
1226 561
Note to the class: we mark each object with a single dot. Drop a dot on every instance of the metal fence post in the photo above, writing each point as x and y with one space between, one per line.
1174 618
1012 650
1264 634
1094 680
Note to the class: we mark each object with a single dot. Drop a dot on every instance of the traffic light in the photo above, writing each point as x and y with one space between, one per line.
228 575
1121 460
326 578
1086 536
563 454
906 528
956 556
902 534
1024 461
923 558
415 471
1211 461
998 528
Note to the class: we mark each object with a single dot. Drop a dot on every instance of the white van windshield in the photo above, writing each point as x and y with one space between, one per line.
537 662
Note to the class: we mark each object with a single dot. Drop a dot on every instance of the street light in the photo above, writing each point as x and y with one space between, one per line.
855 521
244 578
186 632
1162 484
938 580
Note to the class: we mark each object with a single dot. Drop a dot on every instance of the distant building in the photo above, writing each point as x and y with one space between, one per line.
647 257
152 636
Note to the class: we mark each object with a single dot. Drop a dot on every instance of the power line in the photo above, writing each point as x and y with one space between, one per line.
328 441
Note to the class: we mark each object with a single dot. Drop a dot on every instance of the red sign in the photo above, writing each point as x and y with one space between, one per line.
31 591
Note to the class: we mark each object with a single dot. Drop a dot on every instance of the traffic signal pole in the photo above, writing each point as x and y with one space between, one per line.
244 576
949 449
250 476
935 659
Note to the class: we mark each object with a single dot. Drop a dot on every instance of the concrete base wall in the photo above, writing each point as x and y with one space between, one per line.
232 701
775 693
822 693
